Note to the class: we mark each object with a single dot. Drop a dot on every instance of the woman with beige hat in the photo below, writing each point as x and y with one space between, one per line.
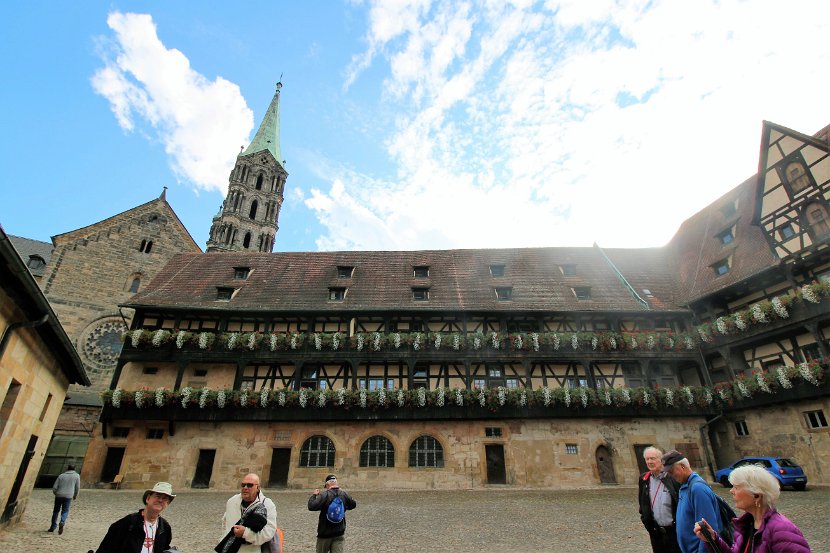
145 531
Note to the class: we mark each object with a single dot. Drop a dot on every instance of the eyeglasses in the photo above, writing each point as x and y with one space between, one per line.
247 485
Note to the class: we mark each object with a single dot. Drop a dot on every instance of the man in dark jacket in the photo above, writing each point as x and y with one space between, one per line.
658 504
330 537
144 530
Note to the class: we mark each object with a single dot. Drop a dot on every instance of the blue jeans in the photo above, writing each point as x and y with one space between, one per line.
61 506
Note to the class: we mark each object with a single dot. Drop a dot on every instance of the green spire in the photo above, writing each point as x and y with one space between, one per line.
268 135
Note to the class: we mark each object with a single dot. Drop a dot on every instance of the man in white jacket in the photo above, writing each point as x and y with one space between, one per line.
250 498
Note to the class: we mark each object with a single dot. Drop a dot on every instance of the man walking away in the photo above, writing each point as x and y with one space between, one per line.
332 503
697 501
658 503
65 488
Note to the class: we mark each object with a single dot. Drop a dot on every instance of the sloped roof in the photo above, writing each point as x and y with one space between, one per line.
27 248
696 247
459 280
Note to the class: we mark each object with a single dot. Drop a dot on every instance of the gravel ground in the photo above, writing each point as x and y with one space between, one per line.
602 520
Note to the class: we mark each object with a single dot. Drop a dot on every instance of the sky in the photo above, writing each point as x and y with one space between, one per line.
405 125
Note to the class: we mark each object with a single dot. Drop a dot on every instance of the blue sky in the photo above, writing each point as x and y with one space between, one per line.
405 125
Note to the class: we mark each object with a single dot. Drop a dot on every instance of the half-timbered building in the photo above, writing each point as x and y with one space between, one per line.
458 368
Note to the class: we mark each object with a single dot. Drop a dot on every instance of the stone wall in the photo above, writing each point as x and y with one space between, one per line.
535 451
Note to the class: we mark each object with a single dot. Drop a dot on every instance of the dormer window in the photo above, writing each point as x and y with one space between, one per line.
723 266
504 293
337 294
241 273
420 271
35 262
344 271
730 209
727 236
420 294
224 293
582 292
497 270
568 269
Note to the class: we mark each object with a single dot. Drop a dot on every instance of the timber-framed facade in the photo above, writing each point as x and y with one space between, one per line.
528 367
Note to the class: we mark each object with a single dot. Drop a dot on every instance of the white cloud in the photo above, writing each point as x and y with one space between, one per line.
146 82
567 123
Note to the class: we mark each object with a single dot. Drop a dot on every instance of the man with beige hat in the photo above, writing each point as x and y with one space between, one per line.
145 531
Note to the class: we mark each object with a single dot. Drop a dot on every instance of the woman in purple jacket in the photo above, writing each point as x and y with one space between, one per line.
761 529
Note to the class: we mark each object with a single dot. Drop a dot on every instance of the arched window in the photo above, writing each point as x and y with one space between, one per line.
377 451
818 219
247 241
252 213
134 286
317 451
259 182
425 451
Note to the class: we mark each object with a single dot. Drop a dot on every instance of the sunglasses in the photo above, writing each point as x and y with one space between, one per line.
247 485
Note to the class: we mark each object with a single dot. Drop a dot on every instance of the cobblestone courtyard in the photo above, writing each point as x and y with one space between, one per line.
495 519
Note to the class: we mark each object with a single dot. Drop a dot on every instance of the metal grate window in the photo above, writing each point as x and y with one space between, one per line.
741 428
377 451
816 419
571 449
317 451
425 451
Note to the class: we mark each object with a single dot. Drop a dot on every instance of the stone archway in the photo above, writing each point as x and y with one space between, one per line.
605 466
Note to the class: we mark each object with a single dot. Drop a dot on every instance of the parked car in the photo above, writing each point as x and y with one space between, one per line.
787 471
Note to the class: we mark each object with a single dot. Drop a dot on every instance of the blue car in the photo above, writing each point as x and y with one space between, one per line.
785 470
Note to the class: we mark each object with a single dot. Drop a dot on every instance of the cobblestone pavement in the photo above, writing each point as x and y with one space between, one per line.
494 519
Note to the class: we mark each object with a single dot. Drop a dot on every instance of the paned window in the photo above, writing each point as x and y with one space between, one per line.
786 232
155 433
492 432
815 419
344 271
377 451
497 270
420 294
504 293
425 451
241 273
571 449
727 236
337 294
741 429
721 267
420 271
223 293
317 451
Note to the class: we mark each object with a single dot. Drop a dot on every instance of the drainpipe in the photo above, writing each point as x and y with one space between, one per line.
705 441
4 341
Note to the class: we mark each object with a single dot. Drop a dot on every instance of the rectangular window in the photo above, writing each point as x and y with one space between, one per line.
582 292
504 293
810 352
150 370
571 449
568 270
741 428
497 270
200 373
241 273
421 271
492 432
511 383
786 232
337 294
815 419
155 433
223 293
479 383
726 237
721 267
344 272
45 407
120 432
420 294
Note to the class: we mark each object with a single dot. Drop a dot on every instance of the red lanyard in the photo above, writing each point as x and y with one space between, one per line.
750 541
657 491
148 541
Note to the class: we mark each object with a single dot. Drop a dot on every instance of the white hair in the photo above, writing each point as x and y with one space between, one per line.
652 448
757 481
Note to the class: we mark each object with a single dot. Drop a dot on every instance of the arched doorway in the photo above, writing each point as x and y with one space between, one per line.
605 466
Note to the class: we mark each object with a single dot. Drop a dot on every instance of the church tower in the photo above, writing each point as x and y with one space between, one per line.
248 219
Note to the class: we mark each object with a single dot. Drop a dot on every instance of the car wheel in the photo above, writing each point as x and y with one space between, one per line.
800 487
724 481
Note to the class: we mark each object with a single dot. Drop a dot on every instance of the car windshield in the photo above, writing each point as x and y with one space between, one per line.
786 463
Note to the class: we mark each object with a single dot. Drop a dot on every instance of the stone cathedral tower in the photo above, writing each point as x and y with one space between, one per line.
250 213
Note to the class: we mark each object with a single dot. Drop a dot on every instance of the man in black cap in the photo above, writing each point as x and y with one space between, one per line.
332 503
697 500
658 503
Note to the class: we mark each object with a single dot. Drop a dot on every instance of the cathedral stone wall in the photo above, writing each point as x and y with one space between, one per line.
92 270
537 452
